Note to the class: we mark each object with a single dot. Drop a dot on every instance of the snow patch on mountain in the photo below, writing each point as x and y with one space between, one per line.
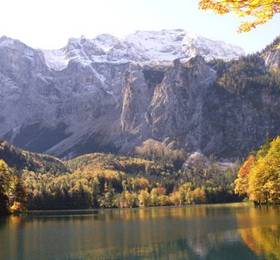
141 47
56 59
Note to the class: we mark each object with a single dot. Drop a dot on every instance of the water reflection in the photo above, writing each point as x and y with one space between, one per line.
262 235
198 232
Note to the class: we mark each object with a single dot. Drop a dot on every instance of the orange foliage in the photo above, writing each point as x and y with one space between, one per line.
242 182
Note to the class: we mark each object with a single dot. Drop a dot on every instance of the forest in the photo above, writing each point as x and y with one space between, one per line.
155 176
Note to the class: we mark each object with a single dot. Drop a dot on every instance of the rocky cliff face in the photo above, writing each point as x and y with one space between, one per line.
111 95
271 55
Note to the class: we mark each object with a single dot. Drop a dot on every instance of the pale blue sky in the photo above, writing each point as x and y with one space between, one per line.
49 23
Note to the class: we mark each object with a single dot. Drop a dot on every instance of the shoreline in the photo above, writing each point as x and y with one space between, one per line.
85 212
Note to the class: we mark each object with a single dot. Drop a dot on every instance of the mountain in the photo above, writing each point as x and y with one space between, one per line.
111 95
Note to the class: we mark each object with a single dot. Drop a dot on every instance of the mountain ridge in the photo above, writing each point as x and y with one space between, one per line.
141 47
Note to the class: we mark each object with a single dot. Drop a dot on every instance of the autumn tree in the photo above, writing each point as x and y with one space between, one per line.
264 177
144 198
127 200
242 181
175 198
199 196
139 183
19 196
261 10
155 197
185 192
155 150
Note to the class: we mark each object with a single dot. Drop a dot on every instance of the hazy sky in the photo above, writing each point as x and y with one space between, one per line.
49 23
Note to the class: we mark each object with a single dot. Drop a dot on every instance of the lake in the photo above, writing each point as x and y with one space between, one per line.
229 231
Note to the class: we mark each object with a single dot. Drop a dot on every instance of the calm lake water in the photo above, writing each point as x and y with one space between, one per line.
236 231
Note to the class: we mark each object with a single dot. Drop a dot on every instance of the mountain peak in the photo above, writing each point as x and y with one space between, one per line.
8 42
142 47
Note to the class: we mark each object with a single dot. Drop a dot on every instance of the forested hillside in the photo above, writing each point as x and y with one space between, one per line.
21 159
106 180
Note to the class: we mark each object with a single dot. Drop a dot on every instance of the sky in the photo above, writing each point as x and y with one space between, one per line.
50 23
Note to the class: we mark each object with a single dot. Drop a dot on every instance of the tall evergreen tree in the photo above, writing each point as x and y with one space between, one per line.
4 185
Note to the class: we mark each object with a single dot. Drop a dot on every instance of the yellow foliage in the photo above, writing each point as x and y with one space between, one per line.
140 183
127 200
261 10
16 207
144 198
6 177
264 177
175 198
186 196
155 197
199 195
3 167
164 200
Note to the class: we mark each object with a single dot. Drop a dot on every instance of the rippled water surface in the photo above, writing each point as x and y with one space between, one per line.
235 231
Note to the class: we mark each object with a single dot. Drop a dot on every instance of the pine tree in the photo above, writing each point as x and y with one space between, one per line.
4 185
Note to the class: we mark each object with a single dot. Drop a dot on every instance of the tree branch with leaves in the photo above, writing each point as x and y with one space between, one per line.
261 11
